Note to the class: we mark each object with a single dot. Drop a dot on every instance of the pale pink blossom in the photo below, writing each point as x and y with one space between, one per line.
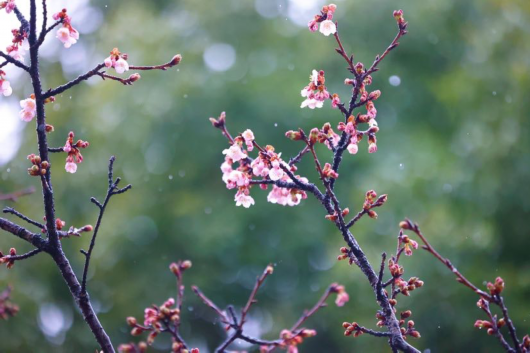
312 103
342 298
259 167
244 199
5 88
235 153
16 52
353 148
70 167
68 36
150 316
372 148
248 135
236 178
29 109
109 62
226 167
327 27
121 66
275 173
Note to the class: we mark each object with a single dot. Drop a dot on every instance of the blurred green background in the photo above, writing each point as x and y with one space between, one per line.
453 156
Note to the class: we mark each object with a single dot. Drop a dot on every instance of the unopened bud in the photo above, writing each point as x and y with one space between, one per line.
404 225
269 270
134 77
131 321
176 59
49 128
185 265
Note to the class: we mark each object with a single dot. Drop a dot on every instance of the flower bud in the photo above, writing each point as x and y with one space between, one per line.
136 331
131 321
185 265
134 77
406 314
176 59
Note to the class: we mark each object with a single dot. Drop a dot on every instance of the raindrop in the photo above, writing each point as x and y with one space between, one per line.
494 93
185 96
182 173
219 56
8 170
275 124
394 80
208 210
401 166
190 308
170 177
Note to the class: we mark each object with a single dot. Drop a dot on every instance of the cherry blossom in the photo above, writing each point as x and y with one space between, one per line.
327 27
29 109
315 92
235 153
74 154
243 198
118 61
5 86
68 35
248 135
275 173
20 45
9 5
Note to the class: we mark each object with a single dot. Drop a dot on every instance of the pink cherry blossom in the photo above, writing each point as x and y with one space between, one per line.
235 153
327 27
121 66
312 103
342 298
5 88
29 109
275 173
372 148
244 199
248 135
316 92
259 167
9 5
335 101
109 62
68 36
70 167
313 25
353 148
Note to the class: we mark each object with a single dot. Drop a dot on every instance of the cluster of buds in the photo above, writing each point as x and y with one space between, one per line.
68 35
489 326
324 19
156 320
178 267
328 172
74 155
6 259
290 340
398 15
39 166
497 287
9 5
141 347
406 287
408 244
342 295
118 61
7 309
333 218
315 93
5 86
409 330
396 270
371 200
19 46
352 329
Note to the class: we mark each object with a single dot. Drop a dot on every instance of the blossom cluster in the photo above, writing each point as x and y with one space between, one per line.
324 21
74 154
29 108
6 259
118 61
315 92
5 86
9 5
39 166
159 319
291 340
20 45
68 35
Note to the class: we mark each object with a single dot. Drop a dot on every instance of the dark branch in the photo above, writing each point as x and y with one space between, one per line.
21 216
